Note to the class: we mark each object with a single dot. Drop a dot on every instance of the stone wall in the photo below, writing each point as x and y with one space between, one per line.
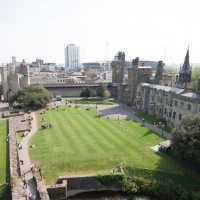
58 191
77 185
18 124
40 185
15 125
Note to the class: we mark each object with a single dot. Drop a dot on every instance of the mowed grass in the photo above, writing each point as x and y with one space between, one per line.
81 143
3 151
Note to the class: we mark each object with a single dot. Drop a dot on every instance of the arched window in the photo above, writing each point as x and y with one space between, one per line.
189 107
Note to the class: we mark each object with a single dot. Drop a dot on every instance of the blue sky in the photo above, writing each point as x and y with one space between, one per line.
149 29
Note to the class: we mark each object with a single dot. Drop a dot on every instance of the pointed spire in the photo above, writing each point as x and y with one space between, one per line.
185 71
186 65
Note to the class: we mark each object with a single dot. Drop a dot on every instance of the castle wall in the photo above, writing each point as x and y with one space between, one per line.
5 86
13 80
24 81
117 71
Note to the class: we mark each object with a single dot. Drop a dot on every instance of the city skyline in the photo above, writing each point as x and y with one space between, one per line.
153 30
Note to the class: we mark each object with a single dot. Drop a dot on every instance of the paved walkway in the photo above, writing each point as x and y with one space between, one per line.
121 111
24 156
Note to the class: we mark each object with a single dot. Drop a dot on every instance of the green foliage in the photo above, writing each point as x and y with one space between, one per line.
102 91
195 75
5 192
186 138
195 196
172 70
154 183
94 101
32 96
106 93
110 179
85 92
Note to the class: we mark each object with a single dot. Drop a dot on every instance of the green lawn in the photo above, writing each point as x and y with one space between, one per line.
3 153
94 101
151 120
81 143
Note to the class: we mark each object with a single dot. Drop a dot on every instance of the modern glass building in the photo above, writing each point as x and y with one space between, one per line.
72 56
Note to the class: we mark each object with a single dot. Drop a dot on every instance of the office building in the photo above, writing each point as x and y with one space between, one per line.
72 57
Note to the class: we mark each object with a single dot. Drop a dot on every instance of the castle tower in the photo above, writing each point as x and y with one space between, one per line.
118 65
159 73
5 86
185 73
133 78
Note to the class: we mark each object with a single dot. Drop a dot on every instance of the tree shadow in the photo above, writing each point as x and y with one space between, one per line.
149 132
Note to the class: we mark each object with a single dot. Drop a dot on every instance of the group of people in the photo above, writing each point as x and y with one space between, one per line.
31 196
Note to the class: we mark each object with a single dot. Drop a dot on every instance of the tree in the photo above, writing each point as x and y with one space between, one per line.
106 93
32 96
85 92
171 70
186 138
102 91
195 75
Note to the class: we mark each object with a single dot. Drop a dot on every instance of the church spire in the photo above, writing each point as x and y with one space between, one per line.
186 65
185 71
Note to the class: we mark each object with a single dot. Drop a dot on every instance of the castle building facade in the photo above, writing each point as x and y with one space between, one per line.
169 103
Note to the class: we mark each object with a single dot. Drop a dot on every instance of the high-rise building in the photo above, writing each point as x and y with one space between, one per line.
72 57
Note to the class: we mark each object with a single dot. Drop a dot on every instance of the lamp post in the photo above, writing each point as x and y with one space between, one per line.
162 128
134 115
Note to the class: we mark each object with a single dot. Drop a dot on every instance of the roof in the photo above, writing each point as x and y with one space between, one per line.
162 87
192 95
165 144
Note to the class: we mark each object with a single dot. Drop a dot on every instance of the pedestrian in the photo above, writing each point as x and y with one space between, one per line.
30 196
7 138
22 162
33 197
40 172
25 184
31 167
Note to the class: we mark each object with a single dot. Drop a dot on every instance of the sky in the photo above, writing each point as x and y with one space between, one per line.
148 29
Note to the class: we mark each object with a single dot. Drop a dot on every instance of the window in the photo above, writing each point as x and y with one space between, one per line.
171 102
165 111
174 115
182 104
175 103
170 113
180 116
189 107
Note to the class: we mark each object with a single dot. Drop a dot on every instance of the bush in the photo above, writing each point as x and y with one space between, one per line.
5 192
110 180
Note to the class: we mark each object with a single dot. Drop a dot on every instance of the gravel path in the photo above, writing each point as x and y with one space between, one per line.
24 156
